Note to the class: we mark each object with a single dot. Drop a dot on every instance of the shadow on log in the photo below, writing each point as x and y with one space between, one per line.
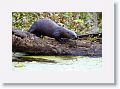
31 44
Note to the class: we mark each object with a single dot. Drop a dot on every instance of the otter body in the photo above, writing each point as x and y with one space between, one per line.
47 27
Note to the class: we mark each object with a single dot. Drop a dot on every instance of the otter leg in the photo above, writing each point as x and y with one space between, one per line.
58 39
62 40
38 35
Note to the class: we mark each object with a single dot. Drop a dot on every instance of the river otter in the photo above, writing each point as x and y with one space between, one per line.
47 27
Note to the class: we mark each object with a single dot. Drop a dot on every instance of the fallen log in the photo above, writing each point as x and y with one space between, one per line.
96 36
90 35
31 44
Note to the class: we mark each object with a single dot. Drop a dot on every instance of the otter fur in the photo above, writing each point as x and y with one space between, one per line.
47 27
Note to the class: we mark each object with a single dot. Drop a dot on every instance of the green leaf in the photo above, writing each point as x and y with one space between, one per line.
79 21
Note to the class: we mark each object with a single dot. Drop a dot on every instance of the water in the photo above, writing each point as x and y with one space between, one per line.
60 63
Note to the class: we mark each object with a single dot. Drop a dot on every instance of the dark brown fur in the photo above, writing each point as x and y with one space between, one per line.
47 27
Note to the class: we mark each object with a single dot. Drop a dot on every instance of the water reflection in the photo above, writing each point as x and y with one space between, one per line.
59 63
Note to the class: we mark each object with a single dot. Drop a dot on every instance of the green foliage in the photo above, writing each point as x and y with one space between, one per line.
80 22
92 39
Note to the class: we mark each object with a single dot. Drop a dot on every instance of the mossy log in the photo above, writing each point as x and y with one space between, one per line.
31 44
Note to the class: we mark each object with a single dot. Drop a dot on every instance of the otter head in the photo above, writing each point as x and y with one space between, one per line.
72 34
69 34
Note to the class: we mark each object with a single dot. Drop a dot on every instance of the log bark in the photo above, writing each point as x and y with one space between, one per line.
31 44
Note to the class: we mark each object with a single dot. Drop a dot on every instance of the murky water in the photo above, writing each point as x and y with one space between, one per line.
60 63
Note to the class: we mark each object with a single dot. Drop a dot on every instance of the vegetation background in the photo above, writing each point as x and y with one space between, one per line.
80 22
